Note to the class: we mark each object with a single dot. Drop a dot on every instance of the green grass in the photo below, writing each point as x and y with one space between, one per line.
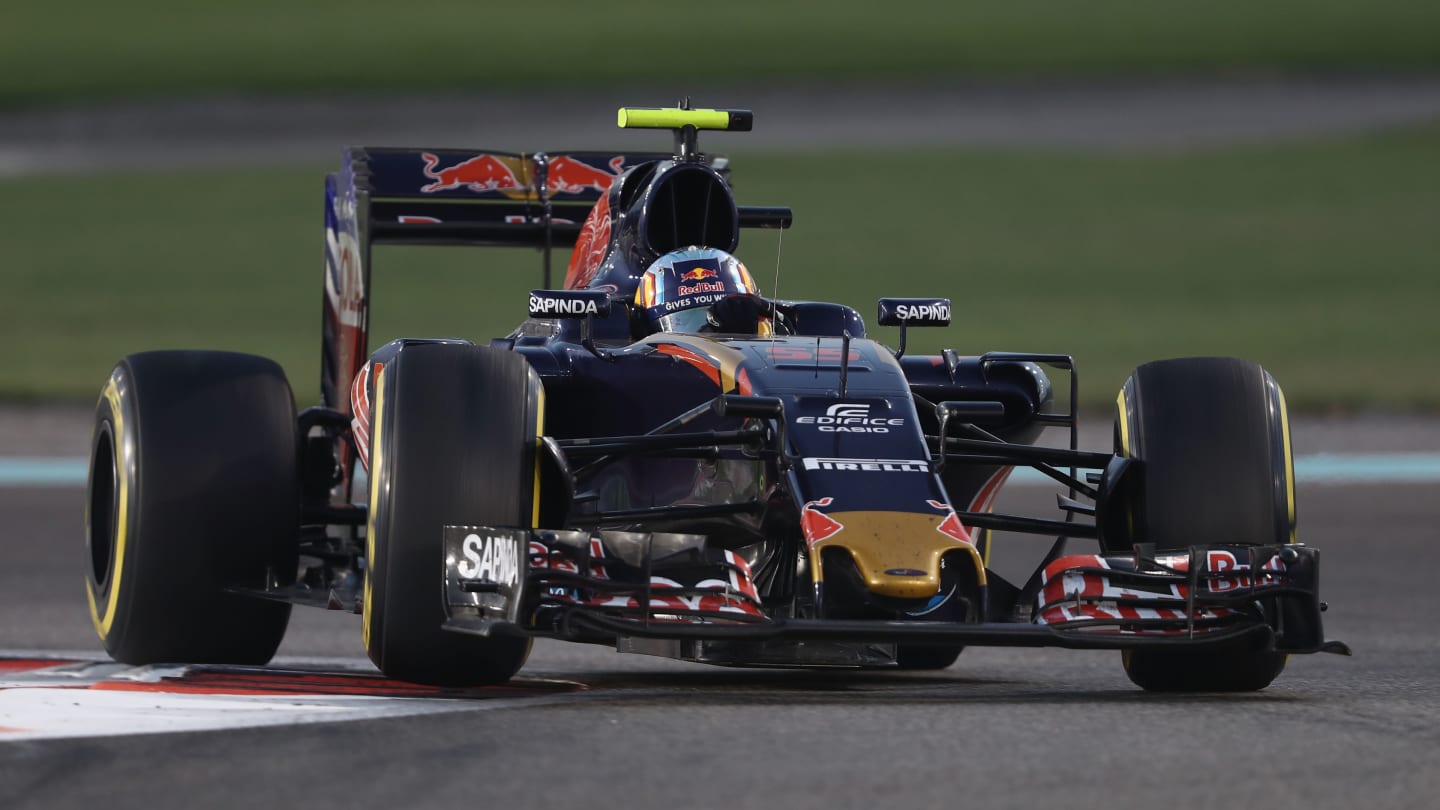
1319 261
97 48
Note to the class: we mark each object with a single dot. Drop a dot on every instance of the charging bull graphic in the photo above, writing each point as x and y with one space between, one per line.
480 173
566 175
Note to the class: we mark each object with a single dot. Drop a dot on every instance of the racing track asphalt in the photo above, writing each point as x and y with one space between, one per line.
1001 728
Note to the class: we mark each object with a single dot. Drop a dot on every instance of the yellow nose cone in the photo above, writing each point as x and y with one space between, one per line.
897 553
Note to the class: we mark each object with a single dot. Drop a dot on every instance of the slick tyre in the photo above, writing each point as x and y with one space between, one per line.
453 443
1215 440
193 490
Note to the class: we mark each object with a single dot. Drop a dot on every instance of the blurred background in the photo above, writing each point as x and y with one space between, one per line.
1122 180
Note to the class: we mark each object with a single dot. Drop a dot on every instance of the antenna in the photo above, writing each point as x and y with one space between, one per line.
779 243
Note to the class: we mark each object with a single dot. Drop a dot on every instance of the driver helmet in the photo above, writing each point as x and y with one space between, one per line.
678 289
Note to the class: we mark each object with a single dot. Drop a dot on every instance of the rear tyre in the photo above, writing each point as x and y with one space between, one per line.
193 489
453 443
1215 439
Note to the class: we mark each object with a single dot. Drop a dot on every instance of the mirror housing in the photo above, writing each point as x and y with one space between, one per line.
914 312
553 304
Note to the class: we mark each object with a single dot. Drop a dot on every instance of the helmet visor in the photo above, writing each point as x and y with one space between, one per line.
686 320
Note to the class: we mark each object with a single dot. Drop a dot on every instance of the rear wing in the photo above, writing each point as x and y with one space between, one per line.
409 196
447 197
443 197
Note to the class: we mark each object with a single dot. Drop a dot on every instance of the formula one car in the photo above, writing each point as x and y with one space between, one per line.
661 460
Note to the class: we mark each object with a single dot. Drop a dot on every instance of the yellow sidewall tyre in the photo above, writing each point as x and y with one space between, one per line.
454 442
193 490
1215 438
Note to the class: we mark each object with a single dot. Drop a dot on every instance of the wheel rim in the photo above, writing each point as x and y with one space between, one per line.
103 506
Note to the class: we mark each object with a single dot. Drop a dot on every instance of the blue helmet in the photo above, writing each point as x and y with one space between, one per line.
679 288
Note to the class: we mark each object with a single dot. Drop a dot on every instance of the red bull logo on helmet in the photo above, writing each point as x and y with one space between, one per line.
702 287
691 277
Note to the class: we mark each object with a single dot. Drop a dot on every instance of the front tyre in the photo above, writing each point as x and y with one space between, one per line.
1236 670
453 443
1215 440
193 490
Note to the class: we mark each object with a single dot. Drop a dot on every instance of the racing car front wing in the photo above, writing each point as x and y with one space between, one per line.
636 589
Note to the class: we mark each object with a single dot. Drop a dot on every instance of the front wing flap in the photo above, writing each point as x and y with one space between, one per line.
650 577
1189 594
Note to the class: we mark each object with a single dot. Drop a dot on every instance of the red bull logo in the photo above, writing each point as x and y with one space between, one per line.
698 274
702 287
951 525
566 175
480 173
817 525
590 248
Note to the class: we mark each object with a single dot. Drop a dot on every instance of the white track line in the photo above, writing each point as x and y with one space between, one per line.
88 698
